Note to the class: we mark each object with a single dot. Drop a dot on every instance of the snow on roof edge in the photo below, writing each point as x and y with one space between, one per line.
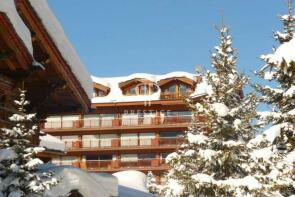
9 9
58 36
116 95
52 143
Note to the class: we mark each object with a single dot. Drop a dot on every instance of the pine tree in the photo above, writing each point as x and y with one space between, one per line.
274 149
213 161
18 167
151 184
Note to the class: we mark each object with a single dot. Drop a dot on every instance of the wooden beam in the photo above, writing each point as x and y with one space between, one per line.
57 61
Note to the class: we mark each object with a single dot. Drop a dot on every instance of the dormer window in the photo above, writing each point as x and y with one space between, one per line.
144 90
171 89
98 93
131 91
176 88
100 90
138 86
183 89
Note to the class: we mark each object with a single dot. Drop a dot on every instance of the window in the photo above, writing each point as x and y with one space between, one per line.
178 113
144 90
91 157
98 93
164 155
171 134
147 156
178 88
182 89
106 157
171 89
131 91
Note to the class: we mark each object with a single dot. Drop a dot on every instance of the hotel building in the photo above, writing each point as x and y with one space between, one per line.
135 122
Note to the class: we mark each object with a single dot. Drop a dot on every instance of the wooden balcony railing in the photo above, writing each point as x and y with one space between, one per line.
174 96
123 143
119 122
118 164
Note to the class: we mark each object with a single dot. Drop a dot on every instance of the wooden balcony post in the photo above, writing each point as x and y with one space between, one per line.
157 138
79 141
81 120
156 162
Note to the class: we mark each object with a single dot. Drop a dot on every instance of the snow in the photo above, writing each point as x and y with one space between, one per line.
290 92
264 153
247 181
292 112
171 156
52 143
132 179
202 89
116 95
221 109
283 53
197 139
274 131
88 184
176 188
34 162
237 123
269 134
269 75
9 9
130 192
203 178
61 41
7 154
231 143
208 154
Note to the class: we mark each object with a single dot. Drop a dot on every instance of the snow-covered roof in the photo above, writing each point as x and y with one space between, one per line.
8 8
52 143
88 184
131 192
132 183
58 36
133 179
116 95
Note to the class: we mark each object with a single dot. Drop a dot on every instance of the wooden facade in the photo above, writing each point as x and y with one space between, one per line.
125 135
51 85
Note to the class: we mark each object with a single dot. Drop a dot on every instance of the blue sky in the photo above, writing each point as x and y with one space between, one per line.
116 38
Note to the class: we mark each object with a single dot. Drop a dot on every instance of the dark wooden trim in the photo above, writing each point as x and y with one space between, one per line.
61 65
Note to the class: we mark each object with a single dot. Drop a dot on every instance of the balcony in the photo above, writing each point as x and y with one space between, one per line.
116 123
124 144
119 165
174 96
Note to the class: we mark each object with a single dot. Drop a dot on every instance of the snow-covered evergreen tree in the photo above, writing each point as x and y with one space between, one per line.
18 161
274 149
213 161
151 183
